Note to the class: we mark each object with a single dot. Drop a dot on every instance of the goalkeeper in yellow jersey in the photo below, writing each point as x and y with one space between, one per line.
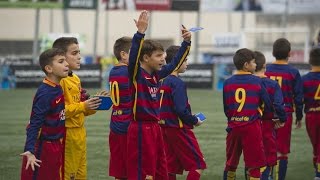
77 106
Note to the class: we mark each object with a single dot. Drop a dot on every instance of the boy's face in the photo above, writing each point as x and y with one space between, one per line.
156 60
250 66
183 66
73 56
59 67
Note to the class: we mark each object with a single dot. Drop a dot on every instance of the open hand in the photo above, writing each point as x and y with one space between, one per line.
92 103
31 160
142 22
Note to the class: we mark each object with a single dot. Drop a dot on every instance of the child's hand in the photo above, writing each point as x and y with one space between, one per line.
92 103
199 122
142 23
186 34
31 160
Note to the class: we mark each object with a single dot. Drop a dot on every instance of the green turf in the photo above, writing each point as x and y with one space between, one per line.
15 110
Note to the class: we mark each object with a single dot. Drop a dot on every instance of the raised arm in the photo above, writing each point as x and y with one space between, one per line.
137 41
180 56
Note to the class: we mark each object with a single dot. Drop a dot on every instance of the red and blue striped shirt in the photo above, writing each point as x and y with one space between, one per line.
175 110
121 95
311 90
47 119
146 106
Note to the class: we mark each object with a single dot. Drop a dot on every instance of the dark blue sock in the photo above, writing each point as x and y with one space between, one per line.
282 168
265 173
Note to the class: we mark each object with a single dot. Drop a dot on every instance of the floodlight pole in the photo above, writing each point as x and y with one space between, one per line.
95 34
36 37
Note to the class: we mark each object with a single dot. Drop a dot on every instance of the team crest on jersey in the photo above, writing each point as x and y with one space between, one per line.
62 115
153 92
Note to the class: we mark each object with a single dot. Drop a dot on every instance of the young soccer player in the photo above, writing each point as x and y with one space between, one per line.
75 109
43 151
121 116
181 145
243 94
311 90
146 159
289 80
270 122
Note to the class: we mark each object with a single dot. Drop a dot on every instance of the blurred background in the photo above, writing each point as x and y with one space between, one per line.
28 27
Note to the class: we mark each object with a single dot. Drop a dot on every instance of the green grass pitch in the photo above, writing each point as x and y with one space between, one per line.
15 110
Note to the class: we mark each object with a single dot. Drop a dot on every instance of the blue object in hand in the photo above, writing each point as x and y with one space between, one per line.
195 29
200 116
106 102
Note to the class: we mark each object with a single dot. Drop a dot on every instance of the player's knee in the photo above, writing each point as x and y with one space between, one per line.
279 154
199 171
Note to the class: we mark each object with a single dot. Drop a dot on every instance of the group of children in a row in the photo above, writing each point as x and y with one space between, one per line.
151 120
282 91
56 138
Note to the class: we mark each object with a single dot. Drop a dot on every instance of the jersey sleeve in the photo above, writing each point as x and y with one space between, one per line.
180 101
298 96
177 60
134 64
40 108
278 103
73 108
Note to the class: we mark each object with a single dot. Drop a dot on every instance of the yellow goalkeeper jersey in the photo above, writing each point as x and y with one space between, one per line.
74 109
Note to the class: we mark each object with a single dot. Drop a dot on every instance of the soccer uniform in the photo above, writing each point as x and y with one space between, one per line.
121 94
290 82
311 90
243 95
268 131
75 147
146 158
45 133
181 145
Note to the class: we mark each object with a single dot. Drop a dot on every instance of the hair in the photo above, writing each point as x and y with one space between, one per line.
260 60
121 44
281 48
148 47
46 57
314 57
316 37
241 57
64 42
171 52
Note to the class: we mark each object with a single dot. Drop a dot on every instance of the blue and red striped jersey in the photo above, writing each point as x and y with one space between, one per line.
289 80
121 95
146 106
175 110
311 91
47 119
243 95
276 98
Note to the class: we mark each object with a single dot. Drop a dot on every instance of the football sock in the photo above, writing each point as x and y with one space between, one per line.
318 170
193 175
281 168
229 175
265 172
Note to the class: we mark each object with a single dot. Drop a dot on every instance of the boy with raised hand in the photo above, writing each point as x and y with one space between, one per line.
311 91
270 120
43 151
181 145
146 159
121 116
243 94
76 109
289 80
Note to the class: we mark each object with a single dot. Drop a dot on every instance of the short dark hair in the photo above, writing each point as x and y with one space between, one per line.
314 57
281 48
241 57
121 44
171 52
260 60
64 42
148 47
47 56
